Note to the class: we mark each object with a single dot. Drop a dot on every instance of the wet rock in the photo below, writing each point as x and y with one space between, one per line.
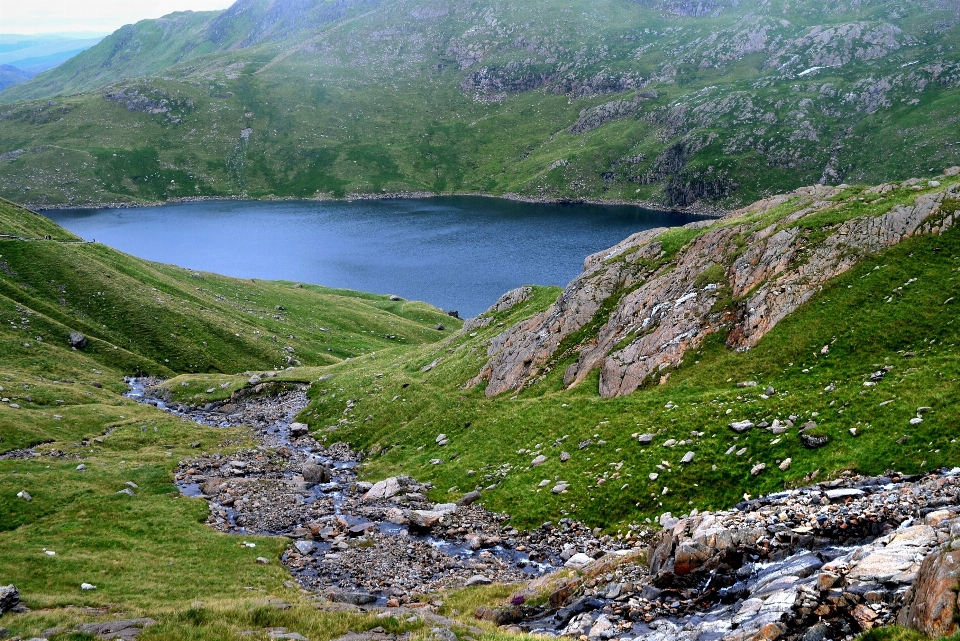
353 598
315 472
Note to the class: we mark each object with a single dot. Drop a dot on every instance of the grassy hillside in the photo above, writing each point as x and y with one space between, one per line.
146 318
149 554
614 99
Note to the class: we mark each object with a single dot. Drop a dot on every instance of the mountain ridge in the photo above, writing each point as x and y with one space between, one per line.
669 102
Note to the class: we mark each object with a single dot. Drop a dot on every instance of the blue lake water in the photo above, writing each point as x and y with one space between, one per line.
456 252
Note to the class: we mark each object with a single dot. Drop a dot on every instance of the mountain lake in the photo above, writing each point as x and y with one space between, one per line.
456 252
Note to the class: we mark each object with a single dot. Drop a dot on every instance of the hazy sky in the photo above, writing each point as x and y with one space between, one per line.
104 16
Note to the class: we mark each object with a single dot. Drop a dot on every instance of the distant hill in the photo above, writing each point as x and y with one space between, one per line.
40 52
10 75
666 101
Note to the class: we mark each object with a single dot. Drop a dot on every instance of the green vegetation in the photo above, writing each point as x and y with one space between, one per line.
609 99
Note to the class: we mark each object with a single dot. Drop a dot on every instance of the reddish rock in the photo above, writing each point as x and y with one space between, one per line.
931 605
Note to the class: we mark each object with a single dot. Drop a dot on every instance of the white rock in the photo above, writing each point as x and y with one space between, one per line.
578 561
741 426
87 586
687 458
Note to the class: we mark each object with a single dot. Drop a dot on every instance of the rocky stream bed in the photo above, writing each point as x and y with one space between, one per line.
817 563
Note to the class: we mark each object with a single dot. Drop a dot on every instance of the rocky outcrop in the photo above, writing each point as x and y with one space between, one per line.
649 308
931 606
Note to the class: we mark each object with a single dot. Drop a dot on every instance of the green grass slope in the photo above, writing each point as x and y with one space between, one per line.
150 554
637 101
895 310
146 318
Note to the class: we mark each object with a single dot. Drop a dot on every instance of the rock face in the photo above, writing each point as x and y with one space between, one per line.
661 306
931 605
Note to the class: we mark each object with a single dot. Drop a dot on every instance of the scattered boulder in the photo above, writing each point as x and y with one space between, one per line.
23 494
125 629
76 340
578 561
687 458
383 489
645 439
813 441
538 461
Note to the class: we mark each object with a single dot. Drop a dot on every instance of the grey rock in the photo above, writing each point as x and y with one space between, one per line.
255 380
578 561
538 461
9 598
23 494
304 547
741 426
469 498
645 439
315 472
813 441
125 629
477 579
843 493
299 429
687 458
77 340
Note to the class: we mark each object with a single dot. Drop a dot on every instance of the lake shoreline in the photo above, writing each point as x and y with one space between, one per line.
698 209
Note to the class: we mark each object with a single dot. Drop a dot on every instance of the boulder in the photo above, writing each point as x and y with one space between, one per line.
299 429
478 579
9 598
77 340
425 519
931 604
383 489
315 472
578 561
741 426
125 629
813 441
469 498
